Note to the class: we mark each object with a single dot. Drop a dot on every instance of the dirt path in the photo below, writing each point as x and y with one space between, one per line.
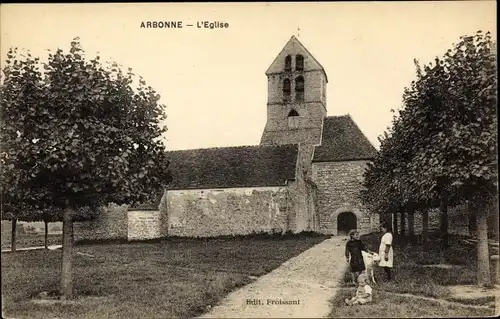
299 288
473 292
51 247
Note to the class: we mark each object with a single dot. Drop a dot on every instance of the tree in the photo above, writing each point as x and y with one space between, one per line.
54 214
379 193
78 135
387 184
15 213
458 156
443 143
49 215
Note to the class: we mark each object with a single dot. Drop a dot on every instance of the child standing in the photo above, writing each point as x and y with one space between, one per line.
353 254
386 251
363 292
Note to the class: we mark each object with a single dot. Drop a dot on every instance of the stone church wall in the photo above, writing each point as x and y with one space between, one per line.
304 193
314 83
311 202
231 211
338 186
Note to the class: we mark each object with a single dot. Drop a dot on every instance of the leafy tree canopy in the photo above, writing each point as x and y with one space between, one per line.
77 134
443 143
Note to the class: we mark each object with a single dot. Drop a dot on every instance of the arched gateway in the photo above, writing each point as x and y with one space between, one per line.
345 222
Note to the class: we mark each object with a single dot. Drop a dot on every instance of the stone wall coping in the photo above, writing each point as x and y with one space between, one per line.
344 160
288 182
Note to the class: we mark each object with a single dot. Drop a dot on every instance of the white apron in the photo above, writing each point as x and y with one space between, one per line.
386 240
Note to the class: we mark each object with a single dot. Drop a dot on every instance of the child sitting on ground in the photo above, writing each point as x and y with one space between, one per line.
363 292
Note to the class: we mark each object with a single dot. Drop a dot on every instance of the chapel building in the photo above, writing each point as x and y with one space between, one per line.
305 175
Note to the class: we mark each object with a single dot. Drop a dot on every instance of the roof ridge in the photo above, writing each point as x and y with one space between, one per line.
337 116
235 147
309 52
362 132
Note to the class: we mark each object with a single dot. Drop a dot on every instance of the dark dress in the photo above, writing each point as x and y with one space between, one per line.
354 247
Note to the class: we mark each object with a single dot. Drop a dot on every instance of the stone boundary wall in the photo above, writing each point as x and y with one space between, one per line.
458 220
118 222
111 224
229 211
145 224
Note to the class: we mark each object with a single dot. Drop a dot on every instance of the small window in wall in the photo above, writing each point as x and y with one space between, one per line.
287 91
286 87
288 63
293 119
299 88
299 63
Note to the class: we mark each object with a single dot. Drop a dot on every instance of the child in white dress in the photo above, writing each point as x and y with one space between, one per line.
386 251
363 292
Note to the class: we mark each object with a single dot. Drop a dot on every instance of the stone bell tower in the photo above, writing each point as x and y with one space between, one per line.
296 103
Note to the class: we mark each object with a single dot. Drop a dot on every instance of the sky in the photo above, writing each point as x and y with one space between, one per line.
213 81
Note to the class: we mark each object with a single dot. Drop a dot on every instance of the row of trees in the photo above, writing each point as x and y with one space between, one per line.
47 215
441 149
75 136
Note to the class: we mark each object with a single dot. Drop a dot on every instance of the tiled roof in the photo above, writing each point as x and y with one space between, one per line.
342 140
245 166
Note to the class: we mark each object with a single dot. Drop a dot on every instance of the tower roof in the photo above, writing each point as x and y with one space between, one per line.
293 47
342 140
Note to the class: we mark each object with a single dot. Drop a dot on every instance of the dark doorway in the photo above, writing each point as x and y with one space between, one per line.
345 222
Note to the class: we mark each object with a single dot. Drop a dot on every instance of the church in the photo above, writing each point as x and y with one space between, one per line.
305 175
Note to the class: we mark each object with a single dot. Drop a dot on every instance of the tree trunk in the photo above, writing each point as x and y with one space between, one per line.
411 223
483 261
425 225
443 207
472 221
493 209
395 223
402 211
13 238
66 289
46 234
